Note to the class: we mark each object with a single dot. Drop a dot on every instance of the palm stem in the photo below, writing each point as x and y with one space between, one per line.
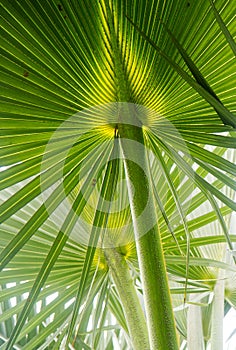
129 299
160 319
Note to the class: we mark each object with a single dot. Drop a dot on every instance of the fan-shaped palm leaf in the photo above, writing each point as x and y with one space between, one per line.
77 80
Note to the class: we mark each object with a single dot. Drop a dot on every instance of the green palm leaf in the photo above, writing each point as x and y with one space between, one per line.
64 67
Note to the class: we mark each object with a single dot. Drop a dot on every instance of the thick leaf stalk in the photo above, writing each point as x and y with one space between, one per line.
129 299
160 319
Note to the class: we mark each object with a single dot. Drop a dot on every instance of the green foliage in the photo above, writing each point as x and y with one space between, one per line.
64 66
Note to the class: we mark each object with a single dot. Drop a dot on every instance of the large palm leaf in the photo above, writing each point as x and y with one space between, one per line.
61 58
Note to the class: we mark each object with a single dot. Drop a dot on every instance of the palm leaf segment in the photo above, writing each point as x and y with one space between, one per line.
59 59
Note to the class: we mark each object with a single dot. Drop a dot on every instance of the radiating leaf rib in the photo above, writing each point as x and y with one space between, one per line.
195 261
202 183
50 176
190 64
211 170
100 316
163 212
116 308
40 42
45 46
50 260
215 207
202 221
199 152
57 302
213 158
201 241
48 263
100 221
39 217
224 28
178 204
222 222
48 330
226 116
209 139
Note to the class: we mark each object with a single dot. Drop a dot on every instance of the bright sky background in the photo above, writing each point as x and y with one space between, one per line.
229 328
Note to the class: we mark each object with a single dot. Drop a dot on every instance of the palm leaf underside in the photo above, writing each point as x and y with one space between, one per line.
59 90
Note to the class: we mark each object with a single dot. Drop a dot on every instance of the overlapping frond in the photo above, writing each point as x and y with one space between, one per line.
58 129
